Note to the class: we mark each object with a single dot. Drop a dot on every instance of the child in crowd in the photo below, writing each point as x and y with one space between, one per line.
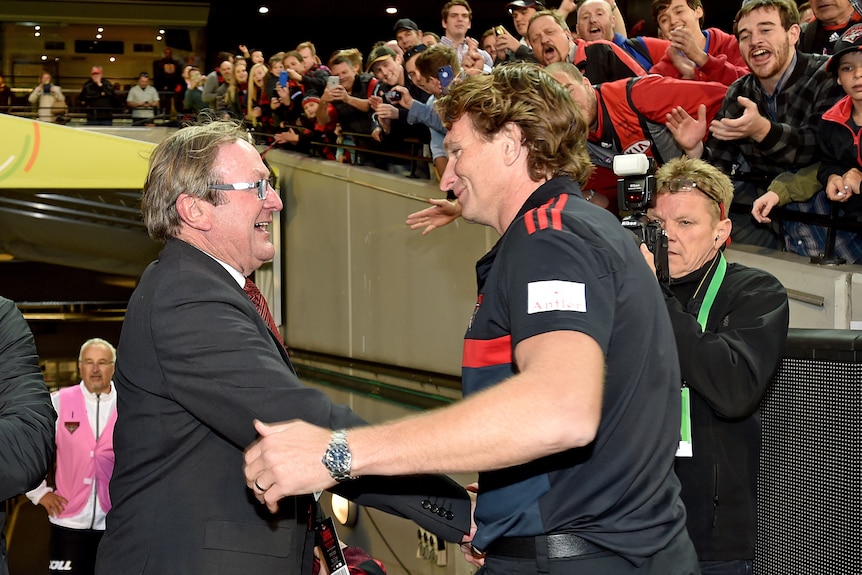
840 167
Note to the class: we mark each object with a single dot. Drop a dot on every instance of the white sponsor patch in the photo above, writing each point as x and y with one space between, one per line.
556 295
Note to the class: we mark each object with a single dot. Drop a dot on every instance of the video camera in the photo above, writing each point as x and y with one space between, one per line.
636 189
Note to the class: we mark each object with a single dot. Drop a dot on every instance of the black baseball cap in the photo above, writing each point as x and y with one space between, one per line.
524 4
405 24
850 41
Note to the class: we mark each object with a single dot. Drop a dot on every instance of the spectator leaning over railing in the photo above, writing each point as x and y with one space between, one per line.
767 123
349 98
596 20
840 170
695 54
600 61
307 72
428 62
390 125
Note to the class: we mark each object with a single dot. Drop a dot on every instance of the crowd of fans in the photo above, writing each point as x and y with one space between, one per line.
379 110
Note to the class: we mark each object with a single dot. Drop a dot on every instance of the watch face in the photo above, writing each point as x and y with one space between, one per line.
338 458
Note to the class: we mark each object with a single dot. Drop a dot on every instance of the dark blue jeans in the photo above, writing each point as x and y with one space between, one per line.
725 568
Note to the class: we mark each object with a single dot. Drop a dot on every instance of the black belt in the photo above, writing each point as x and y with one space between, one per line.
560 546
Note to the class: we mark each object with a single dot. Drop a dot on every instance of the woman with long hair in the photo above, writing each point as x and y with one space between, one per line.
258 110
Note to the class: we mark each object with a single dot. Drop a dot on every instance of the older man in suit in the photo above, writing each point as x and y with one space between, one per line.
199 362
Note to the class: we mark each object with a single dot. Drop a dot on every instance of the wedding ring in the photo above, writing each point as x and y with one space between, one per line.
257 485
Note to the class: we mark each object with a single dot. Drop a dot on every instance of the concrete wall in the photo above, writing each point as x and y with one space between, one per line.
360 283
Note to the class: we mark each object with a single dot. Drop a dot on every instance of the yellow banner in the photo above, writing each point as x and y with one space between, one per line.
39 155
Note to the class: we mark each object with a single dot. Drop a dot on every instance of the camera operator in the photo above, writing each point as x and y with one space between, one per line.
730 324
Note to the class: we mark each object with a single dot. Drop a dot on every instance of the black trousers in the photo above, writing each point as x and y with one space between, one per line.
678 558
73 551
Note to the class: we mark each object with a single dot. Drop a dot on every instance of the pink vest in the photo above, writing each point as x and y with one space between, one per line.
80 458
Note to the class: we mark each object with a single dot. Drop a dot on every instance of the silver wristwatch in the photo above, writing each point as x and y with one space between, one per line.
337 457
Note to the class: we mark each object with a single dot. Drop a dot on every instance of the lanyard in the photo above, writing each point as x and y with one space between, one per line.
686 445
712 291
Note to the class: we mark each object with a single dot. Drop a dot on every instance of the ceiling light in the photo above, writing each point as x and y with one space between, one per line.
263 10
392 10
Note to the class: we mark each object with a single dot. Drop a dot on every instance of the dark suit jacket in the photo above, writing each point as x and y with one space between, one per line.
26 415
196 365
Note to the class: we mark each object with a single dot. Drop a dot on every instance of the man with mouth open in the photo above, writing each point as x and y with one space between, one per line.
203 360
768 121
600 61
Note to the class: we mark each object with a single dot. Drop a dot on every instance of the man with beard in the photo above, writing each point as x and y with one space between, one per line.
768 120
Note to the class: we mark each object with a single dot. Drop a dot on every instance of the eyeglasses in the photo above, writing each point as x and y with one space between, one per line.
262 186
686 185
102 363
682 185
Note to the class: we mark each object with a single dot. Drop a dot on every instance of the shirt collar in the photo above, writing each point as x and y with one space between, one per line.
89 395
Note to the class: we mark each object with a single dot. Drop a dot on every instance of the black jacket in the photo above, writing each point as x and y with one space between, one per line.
27 417
197 364
98 99
728 368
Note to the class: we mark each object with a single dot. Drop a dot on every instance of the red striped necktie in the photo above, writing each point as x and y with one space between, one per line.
259 302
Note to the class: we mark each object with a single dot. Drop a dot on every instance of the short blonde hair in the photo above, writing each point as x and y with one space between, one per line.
706 177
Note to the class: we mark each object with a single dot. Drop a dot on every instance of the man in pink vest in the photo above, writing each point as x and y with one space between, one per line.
85 461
